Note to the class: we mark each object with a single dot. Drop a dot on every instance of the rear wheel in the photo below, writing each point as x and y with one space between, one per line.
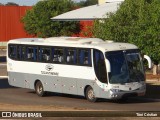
90 95
39 89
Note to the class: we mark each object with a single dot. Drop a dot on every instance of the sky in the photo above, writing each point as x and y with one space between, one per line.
25 2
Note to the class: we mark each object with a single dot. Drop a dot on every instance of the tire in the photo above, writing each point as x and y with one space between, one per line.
39 89
90 95
123 99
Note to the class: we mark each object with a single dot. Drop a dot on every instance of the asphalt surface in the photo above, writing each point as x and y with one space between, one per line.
3 68
20 96
2 52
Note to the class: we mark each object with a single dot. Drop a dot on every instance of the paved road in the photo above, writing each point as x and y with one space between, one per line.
20 96
3 67
2 52
2 59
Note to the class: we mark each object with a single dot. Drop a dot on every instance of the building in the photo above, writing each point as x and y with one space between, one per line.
11 26
10 22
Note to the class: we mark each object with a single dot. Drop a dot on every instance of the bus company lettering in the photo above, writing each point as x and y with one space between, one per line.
49 70
49 73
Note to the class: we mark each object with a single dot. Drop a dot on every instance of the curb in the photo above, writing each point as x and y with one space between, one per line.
3 64
3 76
153 80
148 99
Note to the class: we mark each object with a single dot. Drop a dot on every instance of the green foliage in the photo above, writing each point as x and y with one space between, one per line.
37 20
11 4
137 22
87 3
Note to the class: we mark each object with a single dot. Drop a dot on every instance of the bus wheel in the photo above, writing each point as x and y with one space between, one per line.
90 95
39 89
122 100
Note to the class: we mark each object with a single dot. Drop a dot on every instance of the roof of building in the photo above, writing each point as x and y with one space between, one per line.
90 12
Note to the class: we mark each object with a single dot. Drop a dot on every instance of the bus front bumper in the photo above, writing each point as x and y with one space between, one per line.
120 95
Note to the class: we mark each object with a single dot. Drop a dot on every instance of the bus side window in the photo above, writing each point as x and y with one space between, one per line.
19 52
99 66
85 57
31 53
44 54
71 56
12 51
23 53
57 55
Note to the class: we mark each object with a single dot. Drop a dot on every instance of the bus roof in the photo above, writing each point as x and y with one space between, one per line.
107 45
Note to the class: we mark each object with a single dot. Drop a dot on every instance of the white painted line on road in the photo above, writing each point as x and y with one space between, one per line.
3 76
3 64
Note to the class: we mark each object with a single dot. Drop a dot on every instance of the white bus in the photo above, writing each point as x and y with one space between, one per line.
87 67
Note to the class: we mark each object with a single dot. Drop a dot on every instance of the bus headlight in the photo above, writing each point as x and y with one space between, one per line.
114 90
143 87
113 93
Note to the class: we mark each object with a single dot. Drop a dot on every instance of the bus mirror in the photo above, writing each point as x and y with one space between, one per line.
149 61
108 65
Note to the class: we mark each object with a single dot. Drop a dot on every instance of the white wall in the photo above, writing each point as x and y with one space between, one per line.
104 1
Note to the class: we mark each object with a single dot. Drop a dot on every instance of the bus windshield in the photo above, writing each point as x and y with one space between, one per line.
126 66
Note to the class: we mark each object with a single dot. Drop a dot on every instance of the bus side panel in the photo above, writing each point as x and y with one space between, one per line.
69 85
53 84
56 84
74 80
77 86
82 84
18 79
104 93
50 83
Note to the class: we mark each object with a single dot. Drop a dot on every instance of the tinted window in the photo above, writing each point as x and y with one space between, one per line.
57 55
119 72
12 51
21 52
31 53
44 54
71 56
99 66
84 57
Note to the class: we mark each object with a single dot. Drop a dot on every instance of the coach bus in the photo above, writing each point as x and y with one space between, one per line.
87 67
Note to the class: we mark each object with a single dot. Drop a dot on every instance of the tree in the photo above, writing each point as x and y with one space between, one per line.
91 2
87 3
137 22
12 4
37 20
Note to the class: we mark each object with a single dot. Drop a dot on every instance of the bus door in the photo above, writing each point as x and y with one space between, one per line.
100 72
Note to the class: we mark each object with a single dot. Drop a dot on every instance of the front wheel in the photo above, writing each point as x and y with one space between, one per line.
39 89
90 95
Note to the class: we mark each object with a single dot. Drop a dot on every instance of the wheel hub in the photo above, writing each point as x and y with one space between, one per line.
91 94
